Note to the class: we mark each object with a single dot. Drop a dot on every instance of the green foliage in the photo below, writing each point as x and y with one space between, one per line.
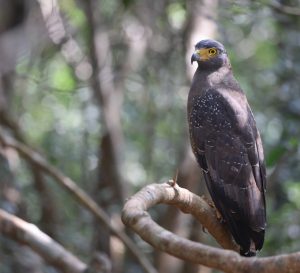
274 155
176 15
75 15
60 76
266 55
293 193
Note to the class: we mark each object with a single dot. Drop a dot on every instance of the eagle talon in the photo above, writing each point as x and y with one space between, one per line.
219 217
208 201
172 183
222 220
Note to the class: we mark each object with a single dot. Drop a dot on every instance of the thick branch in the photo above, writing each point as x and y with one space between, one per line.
77 192
189 203
30 235
135 215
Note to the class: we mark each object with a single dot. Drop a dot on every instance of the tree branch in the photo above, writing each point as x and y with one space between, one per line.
49 212
29 234
135 215
83 198
285 9
184 200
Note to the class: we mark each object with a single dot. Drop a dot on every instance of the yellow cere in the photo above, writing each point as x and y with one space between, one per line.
206 53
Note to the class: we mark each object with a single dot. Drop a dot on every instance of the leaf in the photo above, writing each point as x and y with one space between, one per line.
274 155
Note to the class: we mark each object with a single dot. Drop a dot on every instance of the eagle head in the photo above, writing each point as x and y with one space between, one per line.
210 54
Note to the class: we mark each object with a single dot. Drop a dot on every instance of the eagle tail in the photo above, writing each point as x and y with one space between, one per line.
247 253
249 240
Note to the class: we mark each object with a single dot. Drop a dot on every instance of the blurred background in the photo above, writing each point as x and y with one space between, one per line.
99 88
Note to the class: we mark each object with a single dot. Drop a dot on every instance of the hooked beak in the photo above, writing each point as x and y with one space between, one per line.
195 57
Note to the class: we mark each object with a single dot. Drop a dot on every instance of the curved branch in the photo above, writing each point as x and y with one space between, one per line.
83 198
30 235
285 9
135 215
188 203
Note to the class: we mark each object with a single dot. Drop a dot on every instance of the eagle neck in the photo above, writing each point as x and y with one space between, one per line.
215 77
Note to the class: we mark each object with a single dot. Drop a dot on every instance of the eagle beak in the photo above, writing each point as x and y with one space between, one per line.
195 57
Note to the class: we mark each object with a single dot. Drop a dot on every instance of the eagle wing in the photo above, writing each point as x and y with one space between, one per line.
228 148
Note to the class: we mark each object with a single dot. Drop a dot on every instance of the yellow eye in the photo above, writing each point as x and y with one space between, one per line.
212 51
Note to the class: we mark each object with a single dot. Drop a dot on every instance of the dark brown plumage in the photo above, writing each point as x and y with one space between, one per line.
227 146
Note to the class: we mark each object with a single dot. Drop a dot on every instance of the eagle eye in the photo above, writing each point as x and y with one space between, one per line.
212 51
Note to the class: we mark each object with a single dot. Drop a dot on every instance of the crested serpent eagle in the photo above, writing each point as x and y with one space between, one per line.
227 146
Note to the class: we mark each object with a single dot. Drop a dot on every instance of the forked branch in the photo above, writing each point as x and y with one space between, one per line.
135 216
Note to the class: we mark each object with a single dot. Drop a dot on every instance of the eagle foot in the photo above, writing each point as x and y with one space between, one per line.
208 201
219 217
172 182
211 204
